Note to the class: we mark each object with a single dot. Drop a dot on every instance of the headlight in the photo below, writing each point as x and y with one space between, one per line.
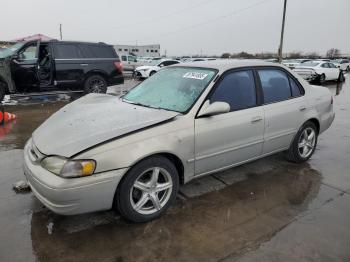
68 168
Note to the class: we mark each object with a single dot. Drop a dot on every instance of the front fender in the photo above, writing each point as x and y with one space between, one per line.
175 138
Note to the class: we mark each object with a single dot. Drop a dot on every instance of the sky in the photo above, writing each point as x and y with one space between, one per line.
207 27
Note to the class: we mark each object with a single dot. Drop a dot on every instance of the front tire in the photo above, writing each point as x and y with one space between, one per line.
147 190
152 73
95 84
304 143
2 91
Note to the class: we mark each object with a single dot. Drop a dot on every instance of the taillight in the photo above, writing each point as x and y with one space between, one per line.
118 66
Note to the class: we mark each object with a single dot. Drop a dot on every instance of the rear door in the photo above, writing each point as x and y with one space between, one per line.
285 108
334 71
231 138
69 64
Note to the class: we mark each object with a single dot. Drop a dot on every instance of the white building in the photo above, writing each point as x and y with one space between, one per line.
138 50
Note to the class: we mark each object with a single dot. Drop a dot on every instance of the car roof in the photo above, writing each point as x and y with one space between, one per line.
226 64
69 42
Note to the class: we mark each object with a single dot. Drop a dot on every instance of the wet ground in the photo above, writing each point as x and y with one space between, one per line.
269 210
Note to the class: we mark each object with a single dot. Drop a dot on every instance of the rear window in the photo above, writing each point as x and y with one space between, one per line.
67 51
98 51
275 85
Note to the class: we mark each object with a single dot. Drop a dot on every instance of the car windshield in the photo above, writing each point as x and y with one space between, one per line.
154 62
10 50
310 64
174 89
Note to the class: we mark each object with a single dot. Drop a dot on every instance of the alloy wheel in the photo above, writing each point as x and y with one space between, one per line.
96 85
151 191
307 142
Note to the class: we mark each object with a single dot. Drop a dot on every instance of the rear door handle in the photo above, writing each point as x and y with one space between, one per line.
302 108
256 119
84 64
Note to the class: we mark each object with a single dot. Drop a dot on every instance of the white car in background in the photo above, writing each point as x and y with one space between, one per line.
153 67
343 64
292 63
319 71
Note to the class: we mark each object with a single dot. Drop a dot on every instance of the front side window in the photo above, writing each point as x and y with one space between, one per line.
174 89
28 53
275 85
237 89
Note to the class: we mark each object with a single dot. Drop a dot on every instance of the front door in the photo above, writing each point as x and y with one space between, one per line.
231 138
285 108
24 68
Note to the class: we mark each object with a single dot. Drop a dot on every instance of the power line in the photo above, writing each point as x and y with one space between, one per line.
168 15
213 20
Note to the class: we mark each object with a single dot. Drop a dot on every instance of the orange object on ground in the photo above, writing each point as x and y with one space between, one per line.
6 117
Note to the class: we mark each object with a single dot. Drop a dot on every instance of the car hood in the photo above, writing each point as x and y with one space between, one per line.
91 120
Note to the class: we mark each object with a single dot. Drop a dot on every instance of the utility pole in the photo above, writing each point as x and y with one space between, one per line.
280 49
61 31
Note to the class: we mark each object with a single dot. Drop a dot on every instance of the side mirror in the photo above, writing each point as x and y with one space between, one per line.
15 57
215 108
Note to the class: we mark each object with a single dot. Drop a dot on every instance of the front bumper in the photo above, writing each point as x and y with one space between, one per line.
141 73
71 196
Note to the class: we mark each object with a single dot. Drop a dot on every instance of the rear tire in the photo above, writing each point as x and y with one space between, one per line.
95 84
304 143
147 190
322 79
341 77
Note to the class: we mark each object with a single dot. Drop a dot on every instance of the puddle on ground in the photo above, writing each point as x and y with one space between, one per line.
204 228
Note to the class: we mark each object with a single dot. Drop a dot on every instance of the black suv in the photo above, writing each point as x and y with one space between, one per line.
38 66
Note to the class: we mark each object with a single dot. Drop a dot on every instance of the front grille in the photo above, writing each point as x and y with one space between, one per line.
34 154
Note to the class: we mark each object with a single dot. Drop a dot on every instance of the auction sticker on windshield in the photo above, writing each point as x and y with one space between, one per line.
195 75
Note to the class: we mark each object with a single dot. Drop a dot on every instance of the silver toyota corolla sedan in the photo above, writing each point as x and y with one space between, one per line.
186 121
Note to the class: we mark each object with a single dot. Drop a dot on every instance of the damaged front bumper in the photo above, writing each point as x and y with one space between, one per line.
71 196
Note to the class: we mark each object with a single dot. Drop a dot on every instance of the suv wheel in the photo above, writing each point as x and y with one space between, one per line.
2 91
304 143
147 190
95 84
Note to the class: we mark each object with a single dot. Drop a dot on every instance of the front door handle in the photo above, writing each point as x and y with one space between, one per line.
256 119
302 108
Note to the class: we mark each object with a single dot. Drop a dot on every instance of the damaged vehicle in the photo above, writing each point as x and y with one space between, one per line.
153 67
189 120
38 66
319 71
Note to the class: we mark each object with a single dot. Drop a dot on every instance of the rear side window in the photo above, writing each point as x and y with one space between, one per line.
275 85
98 51
296 91
67 51
237 89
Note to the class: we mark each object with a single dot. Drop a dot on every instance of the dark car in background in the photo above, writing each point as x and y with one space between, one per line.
39 66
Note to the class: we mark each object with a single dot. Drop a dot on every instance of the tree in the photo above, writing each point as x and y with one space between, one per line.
226 55
332 53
